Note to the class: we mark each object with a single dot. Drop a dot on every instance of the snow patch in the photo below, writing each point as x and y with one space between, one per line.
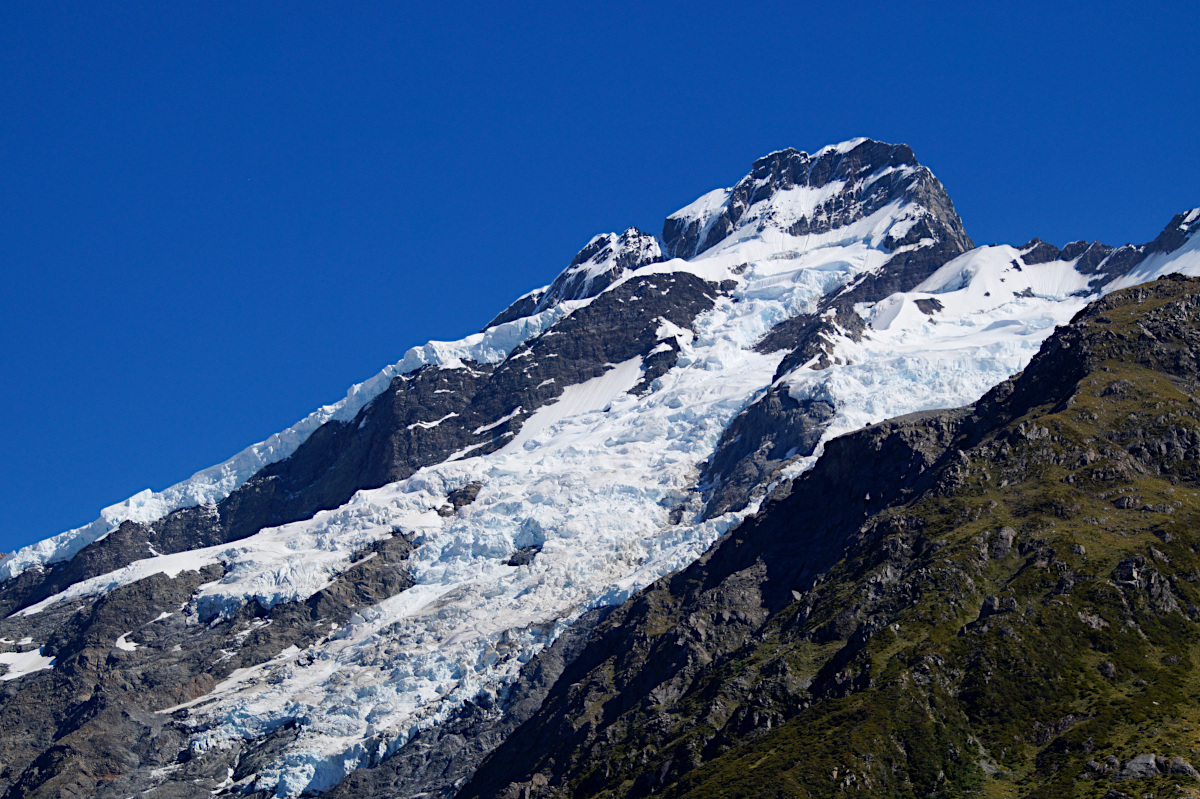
1185 261
430 425
22 663
592 395
511 414
707 205
842 147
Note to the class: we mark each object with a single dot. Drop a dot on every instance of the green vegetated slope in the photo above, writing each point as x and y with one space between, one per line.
999 602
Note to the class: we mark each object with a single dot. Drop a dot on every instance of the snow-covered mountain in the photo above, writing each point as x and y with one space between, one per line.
391 582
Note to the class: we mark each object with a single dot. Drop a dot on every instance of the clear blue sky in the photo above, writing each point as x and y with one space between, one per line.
217 216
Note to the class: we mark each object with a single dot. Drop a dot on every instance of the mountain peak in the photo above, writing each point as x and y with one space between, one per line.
833 162
601 262
801 194
1181 228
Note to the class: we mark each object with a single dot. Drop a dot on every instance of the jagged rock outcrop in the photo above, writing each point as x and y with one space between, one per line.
787 428
833 188
606 259
420 420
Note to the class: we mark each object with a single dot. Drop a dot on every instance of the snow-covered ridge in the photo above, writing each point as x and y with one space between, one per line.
595 480
984 317
213 484
841 147
592 480
608 251
1185 260
606 258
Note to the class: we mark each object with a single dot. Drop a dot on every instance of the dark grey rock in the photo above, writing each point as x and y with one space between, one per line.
95 713
1002 544
1177 766
1038 252
390 438
524 555
605 259
1144 766
810 338
460 498
1104 261
757 444
929 306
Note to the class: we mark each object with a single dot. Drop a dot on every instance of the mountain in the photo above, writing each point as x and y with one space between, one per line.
373 601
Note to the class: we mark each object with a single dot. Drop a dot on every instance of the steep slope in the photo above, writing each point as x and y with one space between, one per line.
392 586
803 195
998 600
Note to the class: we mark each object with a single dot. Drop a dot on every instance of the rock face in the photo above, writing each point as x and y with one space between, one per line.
912 607
604 260
816 194
123 661
758 443
786 428
507 559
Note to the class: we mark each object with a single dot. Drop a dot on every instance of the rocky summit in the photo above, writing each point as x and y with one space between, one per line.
805 496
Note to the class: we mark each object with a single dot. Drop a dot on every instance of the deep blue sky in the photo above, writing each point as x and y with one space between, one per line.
217 216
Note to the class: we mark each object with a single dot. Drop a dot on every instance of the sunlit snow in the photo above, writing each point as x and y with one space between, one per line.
591 480
21 663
